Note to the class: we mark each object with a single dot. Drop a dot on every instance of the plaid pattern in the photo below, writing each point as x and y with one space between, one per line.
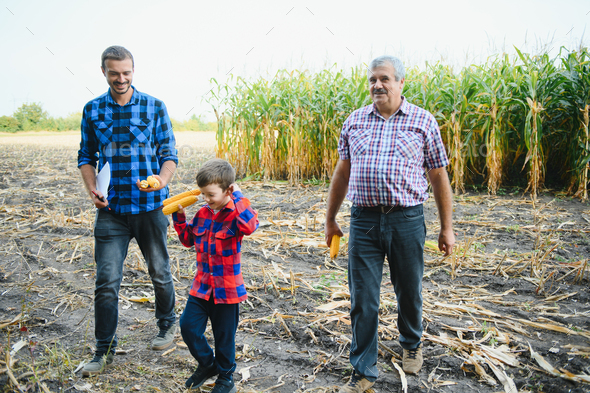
217 239
388 157
136 139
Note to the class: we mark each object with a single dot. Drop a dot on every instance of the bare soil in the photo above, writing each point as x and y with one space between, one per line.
514 293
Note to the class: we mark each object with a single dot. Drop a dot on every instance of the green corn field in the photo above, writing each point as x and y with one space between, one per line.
520 121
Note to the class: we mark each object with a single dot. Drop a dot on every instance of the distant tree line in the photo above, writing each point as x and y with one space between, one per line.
32 117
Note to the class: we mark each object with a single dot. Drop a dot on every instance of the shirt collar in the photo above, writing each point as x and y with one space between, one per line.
133 101
230 205
403 108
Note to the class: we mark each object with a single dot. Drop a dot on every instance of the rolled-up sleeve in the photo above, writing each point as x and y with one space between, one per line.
165 137
88 153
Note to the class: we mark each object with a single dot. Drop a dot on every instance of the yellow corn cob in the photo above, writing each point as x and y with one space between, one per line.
173 207
153 182
334 246
178 197
144 184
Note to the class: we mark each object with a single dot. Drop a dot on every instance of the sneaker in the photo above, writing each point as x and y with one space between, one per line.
200 375
224 386
412 360
356 385
165 338
97 364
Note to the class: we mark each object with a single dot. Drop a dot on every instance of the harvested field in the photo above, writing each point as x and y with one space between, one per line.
509 311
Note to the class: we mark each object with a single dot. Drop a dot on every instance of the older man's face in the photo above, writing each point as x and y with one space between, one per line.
385 90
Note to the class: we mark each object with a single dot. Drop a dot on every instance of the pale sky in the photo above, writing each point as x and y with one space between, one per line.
51 49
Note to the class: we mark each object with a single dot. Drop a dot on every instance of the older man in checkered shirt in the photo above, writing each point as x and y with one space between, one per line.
387 150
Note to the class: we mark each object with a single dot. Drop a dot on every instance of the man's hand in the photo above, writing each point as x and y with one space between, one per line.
150 188
96 199
332 228
446 241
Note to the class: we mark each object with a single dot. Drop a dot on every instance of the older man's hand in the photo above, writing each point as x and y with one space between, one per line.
331 228
446 241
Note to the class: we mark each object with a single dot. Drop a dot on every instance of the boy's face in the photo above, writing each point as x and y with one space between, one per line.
215 197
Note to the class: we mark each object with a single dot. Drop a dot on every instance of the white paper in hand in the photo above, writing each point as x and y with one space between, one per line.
103 179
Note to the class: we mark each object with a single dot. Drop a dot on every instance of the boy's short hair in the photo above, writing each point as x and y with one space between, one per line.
216 171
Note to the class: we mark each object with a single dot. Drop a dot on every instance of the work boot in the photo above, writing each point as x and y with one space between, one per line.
97 364
165 338
224 386
412 361
356 385
200 375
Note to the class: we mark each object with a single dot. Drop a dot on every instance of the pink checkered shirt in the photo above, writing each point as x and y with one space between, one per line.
390 157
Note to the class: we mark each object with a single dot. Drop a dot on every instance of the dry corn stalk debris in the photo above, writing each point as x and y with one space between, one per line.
297 316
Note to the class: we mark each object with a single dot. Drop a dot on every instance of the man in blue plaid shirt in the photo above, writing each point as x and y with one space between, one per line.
131 132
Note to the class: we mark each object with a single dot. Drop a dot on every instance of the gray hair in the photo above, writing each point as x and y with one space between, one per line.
398 67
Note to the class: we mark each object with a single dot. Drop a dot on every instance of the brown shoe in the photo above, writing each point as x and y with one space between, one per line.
356 385
412 361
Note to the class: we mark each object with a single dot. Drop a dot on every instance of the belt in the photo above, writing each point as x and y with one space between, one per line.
382 209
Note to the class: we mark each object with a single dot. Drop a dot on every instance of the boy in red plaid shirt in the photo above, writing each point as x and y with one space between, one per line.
216 231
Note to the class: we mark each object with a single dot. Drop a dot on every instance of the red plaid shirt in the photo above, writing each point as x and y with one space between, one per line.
388 156
217 239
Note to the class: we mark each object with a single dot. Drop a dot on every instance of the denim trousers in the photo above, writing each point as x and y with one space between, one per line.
224 323
400 236
112 234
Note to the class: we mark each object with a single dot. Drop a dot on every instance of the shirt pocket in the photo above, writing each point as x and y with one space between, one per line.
200 236
225 242
140 130
104 132
409 146
359 141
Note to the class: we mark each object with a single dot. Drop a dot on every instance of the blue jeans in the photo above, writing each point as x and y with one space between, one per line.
400 236
224 323
112 234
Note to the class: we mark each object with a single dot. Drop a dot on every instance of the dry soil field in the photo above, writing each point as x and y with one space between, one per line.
507 312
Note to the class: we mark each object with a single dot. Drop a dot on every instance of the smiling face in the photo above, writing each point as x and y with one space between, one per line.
215 197
385 91
119 75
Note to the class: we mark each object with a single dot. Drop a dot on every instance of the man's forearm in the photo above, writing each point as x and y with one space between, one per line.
167 171
88 177
443 195
338 189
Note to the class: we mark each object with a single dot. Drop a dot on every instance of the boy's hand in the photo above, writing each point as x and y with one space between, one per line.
234 187
180 209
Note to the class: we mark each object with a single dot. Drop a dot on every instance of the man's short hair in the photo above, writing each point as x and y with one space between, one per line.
216 171
398 67
116 52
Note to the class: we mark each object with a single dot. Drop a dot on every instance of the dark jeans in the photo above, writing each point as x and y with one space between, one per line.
112 234
224 323
400 235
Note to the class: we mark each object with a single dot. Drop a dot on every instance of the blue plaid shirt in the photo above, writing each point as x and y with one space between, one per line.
135 139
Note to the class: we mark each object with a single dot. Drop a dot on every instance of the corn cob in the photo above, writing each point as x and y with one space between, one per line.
144 184
180 196
173 207
153 182
334 246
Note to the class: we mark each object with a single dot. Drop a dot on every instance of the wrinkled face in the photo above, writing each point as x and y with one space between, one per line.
119 74
215 197
385 90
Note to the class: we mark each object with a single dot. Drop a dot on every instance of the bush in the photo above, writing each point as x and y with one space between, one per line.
8 124
29 116
195 123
